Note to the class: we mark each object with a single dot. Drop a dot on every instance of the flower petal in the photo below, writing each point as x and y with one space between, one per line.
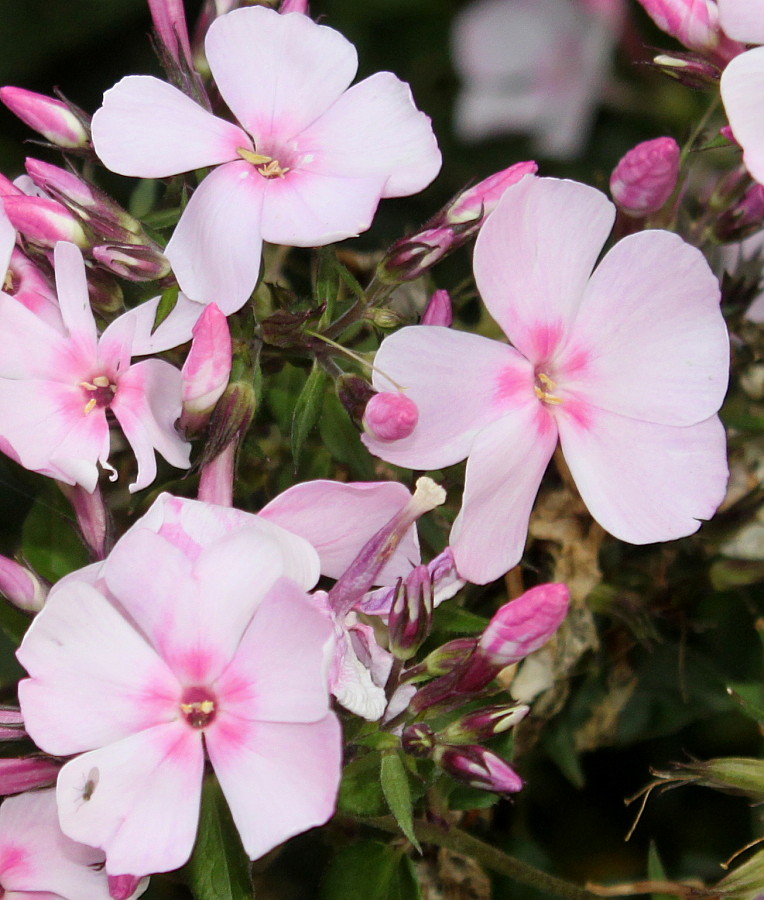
742 87
73 297
460 383
743 20
31 346
535 254
215 248
645 482
504 471
148 128
143 808
175 330
277 73
279 779
650 341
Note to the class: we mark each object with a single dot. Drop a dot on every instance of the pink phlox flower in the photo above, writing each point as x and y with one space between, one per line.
534 67
741 90
743 20
38 862
307 164
626 366
189 643
56 386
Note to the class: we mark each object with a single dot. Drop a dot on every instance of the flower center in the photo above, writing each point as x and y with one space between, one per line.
198 706
98 393
267 166
543 386
9 286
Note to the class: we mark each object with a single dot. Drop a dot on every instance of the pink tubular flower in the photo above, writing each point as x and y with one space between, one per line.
56 386
307 166
627 366
646 176
133 667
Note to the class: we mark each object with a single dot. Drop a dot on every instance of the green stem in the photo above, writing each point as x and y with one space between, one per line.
492 858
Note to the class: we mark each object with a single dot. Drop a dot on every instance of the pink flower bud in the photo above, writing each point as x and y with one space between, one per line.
477 202
298 6
59 182
438 310
411 257
58 122
169 20
25 774
694 23
390 416
11 724
410 616
689 69
122 887
207 368
743 218
23 588
92 517
483 724
44 222
478 767
134 262
646 176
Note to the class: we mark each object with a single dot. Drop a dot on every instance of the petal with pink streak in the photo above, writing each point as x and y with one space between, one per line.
460 383
338 519
215 248
279 672
46 426
143 809
150 129
504 471
175 330
147 405
277 73
742 88
73 297
743 20
90 667
535 254
37 859
375 130
33 291
645 482
279 779
650 341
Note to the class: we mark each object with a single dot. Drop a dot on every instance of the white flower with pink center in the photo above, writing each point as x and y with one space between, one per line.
57 385
172 653
307 164
626 366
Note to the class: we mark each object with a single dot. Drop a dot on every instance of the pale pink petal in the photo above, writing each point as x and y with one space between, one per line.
115 346
743 20
148 128
33 290
37 859
460 383
147 405
279 671
650 341
503 475
645 482
535 254
7 242
89 666
22 330
338 519
73 297
277 73
279 779
742 88
175 330
375 130
215 248
143 809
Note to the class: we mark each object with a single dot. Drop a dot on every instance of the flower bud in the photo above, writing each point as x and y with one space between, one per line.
743 218
390 416
207 368
21 586
11 724
44 222
418 740
646 176
438 310
479 768
483 724
387 318
735 774
105 293
92 516
169 20
477 202
26 774
298 6
122 887
230 419
411 257
447 657
688 69
60 183
694 23
58 122
410 617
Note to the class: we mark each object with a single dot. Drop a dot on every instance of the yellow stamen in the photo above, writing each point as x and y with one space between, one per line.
90 406
8 282
272 170
101 381
202 706
544 390
257 159
267 166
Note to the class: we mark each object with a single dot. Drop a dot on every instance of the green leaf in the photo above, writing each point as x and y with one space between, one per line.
750 698
307 409
166 305
218 868
341 439
655 870
372 870
327 286
143 198
395 786
50 542
360 789
456 619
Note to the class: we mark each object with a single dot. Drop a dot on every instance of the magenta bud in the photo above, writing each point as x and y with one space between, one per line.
742 218
479 768
646 176
207 368
11 724
449 656
21 586
134 262
26 773
169 20
410 617
61 183
58 122
298 6
438 310
44 222
390 416
477 202
418 740
483 724
411 257
92 516
122 887
694 23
